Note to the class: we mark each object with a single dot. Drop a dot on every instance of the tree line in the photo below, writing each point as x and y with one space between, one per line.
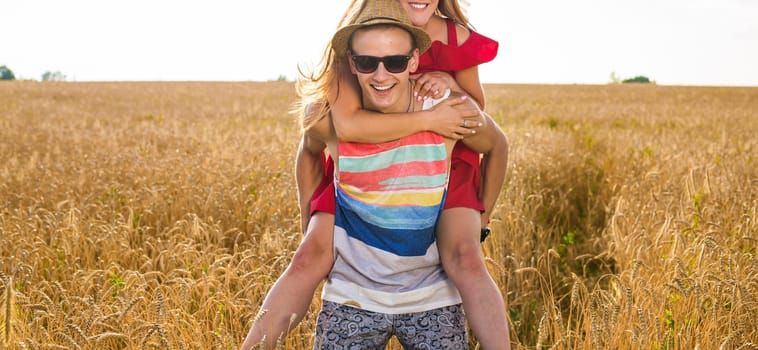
7 74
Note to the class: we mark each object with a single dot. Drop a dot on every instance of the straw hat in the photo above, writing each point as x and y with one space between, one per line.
380 12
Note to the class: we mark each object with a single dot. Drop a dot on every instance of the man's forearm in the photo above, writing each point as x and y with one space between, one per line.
309 171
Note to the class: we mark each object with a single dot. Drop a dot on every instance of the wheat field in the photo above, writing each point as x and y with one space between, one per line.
156 215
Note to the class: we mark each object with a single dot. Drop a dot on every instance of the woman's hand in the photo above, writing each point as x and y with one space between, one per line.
456 117
432 85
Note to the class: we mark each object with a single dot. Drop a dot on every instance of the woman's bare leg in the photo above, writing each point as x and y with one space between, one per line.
288 299
463 261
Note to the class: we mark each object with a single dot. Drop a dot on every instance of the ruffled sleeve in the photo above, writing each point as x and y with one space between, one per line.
477 49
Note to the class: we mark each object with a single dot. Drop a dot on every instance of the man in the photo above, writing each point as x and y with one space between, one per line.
387 279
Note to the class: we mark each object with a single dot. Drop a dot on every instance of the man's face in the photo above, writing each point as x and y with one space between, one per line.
384 89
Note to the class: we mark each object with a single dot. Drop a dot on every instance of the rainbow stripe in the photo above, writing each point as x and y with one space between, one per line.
389 195
389 198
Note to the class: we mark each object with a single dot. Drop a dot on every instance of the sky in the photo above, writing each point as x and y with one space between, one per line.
673 42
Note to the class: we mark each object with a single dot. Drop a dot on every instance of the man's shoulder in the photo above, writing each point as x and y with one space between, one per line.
431 102
321 129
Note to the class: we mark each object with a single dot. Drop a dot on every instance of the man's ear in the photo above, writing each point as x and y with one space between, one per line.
413 62
349 58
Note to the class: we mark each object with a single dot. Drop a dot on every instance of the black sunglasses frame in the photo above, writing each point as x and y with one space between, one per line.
369 64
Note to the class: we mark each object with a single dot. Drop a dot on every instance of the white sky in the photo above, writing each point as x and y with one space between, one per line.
674 42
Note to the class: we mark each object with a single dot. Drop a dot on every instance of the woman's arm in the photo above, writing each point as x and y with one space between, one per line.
355 124
494 165
492 143
495 161
468 80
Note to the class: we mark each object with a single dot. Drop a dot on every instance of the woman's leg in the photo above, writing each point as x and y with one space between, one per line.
461 254
288 300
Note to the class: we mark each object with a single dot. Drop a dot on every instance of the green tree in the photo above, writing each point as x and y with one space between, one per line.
614 78
53 76
638 79
6 73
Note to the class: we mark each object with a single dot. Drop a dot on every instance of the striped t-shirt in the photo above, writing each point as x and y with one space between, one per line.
389 197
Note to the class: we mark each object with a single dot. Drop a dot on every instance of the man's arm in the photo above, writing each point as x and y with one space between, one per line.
309 172
309 161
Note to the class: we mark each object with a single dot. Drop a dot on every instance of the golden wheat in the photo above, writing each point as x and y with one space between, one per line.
157 215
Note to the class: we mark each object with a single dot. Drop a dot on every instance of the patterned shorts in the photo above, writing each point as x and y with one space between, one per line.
344 327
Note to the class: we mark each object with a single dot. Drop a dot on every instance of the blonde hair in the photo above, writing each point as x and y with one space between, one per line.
313 87
454 10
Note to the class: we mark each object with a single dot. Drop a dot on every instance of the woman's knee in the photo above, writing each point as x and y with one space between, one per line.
314 255
310 256
463 258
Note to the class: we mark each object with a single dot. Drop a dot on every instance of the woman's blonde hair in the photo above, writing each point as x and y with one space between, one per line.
454 10
313 87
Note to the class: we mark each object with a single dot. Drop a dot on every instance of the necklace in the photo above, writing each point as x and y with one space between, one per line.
411 107
410 97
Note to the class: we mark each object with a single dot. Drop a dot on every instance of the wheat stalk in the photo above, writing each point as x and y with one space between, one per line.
542 335
128 307
106 336
76 330
67 338
7 312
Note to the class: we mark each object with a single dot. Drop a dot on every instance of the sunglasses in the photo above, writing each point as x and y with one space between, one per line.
369 64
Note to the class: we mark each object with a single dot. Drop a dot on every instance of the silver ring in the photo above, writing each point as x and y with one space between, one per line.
464 123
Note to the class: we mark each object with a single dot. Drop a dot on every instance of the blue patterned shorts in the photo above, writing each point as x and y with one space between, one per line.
345 327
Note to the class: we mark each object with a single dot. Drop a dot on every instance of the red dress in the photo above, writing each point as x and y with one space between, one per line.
463 188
